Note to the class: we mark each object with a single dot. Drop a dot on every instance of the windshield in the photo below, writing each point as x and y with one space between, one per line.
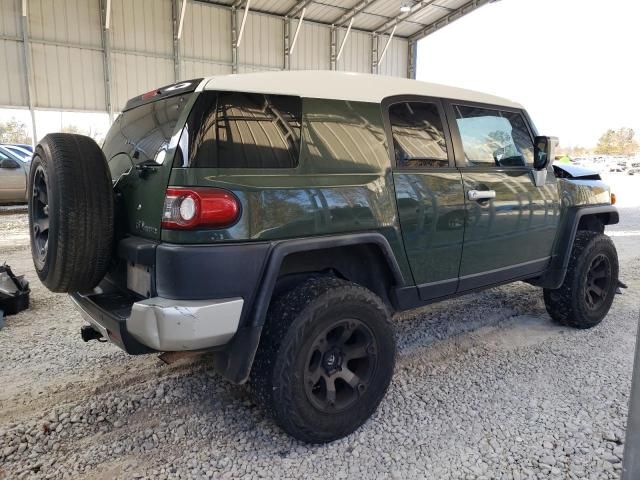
24 155
15 155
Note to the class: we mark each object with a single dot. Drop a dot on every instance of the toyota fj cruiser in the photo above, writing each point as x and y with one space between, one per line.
277 220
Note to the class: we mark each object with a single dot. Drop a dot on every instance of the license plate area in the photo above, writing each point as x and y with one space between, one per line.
139 279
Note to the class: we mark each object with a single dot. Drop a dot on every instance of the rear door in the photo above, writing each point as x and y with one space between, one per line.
429 192
510 222
139 149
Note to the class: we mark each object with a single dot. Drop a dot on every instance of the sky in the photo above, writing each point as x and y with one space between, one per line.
573 64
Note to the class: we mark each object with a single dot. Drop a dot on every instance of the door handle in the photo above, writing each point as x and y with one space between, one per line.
478 195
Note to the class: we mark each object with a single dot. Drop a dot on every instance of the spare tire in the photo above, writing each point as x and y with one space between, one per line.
70 212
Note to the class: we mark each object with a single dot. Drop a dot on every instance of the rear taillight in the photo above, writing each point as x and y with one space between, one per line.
189 208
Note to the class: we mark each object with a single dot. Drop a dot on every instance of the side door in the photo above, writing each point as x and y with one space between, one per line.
13 179
510 222
429 192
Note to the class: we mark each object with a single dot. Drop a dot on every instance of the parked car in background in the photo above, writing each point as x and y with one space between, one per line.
26 146
20 151
14 170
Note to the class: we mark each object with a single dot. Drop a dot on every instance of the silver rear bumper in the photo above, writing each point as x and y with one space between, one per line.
178 325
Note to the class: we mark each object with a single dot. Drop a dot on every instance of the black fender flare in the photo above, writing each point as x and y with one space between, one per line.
241 351
557 270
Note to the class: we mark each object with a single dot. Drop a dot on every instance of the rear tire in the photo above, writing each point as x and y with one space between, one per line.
587 292
70 212
325 360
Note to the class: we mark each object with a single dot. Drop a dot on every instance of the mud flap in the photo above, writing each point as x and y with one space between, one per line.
620 286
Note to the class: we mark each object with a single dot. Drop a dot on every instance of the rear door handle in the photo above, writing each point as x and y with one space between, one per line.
478 195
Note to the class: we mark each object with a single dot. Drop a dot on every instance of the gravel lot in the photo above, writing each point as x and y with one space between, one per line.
485 387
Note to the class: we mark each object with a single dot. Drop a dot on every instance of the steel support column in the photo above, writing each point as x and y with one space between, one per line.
412 53
374 53
106 58
175 13
287 42
333 37
234 40
28 70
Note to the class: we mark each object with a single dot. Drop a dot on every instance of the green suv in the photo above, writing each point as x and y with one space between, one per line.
277 220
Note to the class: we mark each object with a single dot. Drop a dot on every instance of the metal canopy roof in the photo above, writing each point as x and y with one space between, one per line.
375 16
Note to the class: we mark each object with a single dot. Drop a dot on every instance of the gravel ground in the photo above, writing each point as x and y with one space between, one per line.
485 387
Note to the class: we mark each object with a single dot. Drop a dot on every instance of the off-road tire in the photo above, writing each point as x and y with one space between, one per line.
70 177
293 322
568 304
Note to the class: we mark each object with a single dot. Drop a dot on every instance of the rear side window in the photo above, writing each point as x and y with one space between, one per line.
418 136
494 137
343 136
241 130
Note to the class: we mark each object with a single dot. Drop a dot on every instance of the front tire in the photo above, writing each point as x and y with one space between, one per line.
325 359
586 295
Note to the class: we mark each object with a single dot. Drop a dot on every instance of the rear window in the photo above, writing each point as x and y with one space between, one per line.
241 130
142 134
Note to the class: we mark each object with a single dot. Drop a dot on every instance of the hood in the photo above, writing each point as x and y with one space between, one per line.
566 170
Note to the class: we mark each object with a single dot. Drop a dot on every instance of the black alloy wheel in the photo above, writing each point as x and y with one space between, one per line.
599 280
341 363
40 215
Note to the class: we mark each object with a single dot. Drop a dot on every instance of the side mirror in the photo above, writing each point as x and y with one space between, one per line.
9 164
544 151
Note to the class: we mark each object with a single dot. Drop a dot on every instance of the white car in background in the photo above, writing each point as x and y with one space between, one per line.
14 171
19 150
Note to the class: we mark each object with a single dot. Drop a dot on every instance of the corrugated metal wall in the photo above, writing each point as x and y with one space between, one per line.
13 90
68 54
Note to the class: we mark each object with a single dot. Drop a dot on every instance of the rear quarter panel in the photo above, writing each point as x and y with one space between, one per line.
342 184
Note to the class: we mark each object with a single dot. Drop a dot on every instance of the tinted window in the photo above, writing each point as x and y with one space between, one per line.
142 134
418 136
242 130
341 136
494 137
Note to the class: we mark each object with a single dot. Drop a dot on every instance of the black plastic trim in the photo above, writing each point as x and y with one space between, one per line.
201 272
441 288
138 250
553 277
498 275
280 249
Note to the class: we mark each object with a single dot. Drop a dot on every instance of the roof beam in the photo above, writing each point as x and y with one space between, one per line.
348 15
394 22
244 21
386 46
301 5
344 40
446 20
295 36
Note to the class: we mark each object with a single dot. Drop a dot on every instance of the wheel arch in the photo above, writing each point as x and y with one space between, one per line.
309 256
590 218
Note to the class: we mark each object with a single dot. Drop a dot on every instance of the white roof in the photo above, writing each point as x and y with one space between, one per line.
357 87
